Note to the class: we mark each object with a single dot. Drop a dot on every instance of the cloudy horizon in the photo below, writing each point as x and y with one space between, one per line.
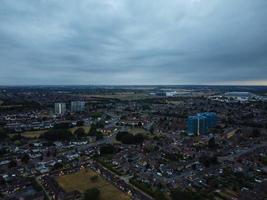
123 42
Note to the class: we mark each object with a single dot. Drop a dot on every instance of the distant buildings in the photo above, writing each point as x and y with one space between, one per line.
241 96
165 94
60 108
237 97
171 94
77 106
200 123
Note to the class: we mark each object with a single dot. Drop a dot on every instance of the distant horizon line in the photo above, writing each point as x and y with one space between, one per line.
129 85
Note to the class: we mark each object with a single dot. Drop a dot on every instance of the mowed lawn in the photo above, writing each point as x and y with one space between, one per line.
123 96
135 131
33 134
86 129
37 133
81 181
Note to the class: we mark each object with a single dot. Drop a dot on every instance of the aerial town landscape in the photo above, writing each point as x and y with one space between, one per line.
133 100
133 142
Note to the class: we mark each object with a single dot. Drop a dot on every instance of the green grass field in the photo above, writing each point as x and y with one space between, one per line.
81 181
36 134
123 96
86 129
135 131
32 134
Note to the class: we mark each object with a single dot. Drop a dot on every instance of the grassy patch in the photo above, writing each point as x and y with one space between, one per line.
264 160
135 131
86 129
37 133
127 96
82 181
32 134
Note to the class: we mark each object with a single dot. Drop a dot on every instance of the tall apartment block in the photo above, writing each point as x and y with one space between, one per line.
77 106
200 123
60 108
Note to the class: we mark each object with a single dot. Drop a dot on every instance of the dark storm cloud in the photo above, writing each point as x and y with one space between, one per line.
133 42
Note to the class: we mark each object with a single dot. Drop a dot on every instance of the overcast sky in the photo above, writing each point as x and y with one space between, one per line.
133 42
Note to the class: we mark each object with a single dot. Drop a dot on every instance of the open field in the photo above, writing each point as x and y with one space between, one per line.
176 102
123 96
32 134
81 181
10 106
37 133
86 129
135 131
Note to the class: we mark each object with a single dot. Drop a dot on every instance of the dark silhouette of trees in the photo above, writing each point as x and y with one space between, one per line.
99 135
94 178
92 131
128 138
208 160
91 194
79 133
58 166
212 144
80 123
186 195
57 134
63 125
107 149
12 164
25 158
3 134
255 133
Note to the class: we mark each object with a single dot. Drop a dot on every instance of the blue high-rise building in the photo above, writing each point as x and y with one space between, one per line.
211 118
200 123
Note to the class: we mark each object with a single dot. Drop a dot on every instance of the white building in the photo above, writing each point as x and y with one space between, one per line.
60 108
171 94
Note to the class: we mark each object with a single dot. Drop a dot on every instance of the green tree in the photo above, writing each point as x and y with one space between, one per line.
92 131
212 144
12 164
91 194
94 178
128 138
96 115
99 135
80 123
107 149
151 130
57 134
79 133
255 133
25 158
186 195
3 134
